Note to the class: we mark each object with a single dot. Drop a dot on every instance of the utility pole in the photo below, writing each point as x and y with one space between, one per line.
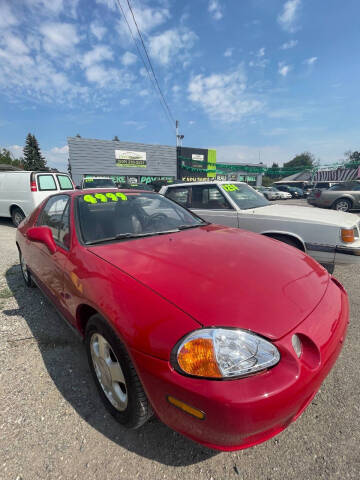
179 139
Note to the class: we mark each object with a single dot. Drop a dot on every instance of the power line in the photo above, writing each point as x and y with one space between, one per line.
165 108
148 58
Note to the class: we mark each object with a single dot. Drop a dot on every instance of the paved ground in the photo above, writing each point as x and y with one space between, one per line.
53 426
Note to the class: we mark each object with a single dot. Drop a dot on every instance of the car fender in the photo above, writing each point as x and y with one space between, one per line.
347 196
269 233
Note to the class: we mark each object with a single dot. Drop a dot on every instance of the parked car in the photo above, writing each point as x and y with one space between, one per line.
269 194
292 190
97 182
329 237
343 197
168 305
282 195
21 191
302 193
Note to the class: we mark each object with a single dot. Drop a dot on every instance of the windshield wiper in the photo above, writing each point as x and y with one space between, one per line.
122 236
185 227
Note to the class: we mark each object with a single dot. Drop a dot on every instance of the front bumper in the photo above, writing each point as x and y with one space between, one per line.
244 412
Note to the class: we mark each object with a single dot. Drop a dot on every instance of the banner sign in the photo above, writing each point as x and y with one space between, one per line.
127 158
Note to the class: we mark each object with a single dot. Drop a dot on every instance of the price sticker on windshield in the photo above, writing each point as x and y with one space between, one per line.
230 188
104 197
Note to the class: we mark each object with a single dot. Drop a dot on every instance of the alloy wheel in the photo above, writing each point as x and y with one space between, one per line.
108 372
342 206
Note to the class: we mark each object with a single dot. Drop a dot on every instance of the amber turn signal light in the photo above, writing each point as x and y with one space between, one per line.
347 235
197 357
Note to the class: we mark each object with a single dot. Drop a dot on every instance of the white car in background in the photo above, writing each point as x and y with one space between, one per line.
283 195
21 191
330 237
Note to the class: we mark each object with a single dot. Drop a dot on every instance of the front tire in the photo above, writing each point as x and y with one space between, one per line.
25 271
115 376
342 205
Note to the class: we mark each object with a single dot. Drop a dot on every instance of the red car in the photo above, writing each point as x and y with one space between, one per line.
224 334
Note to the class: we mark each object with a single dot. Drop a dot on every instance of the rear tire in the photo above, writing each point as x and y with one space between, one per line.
342 205
115 376
17 216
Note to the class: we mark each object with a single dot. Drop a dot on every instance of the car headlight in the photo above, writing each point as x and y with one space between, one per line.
224 353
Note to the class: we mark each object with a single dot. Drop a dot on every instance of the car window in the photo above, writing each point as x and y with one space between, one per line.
98 183
65 182
55 215
245 196
46 182
356 188
116 216
208 197
338 188
64 227
179 195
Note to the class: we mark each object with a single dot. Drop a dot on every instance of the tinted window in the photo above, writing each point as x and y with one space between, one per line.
116 216
356 187
46 182
338 187
65 182
64 227
55 215
98 183
208 197
179 195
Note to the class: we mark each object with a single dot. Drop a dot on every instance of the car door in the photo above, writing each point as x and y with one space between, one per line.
48 267
209 203
356 195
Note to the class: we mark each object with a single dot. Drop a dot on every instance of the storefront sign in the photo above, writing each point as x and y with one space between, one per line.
127 158
197 157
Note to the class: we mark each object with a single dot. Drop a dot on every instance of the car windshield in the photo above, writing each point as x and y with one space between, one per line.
114 216
98 183
244 196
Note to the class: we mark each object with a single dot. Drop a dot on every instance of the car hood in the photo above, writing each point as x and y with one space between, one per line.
309 215
225 277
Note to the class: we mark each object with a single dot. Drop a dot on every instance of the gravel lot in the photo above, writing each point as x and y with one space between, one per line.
53 425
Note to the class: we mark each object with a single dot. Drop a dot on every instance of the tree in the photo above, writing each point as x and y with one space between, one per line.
352 159
303 161
7 158
33 160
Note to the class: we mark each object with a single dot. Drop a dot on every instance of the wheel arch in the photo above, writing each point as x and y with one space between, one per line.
292 236
83 313
343 197
13 206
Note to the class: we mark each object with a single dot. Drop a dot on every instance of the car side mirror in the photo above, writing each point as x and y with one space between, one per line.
78 187
42 235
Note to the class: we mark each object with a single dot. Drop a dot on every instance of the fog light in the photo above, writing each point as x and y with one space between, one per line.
296 343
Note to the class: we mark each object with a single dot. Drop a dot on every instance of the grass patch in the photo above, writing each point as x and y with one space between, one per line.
6 293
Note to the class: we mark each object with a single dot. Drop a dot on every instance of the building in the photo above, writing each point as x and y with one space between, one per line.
129 162
123 161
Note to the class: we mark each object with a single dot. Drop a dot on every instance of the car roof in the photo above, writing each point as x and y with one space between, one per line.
208 182
88 191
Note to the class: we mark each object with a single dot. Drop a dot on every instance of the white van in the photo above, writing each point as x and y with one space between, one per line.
22 191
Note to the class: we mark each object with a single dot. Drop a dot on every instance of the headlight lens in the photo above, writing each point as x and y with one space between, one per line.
224 353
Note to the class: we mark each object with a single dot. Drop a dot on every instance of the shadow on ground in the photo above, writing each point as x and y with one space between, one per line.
65 359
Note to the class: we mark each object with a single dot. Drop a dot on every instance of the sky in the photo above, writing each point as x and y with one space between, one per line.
254 79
